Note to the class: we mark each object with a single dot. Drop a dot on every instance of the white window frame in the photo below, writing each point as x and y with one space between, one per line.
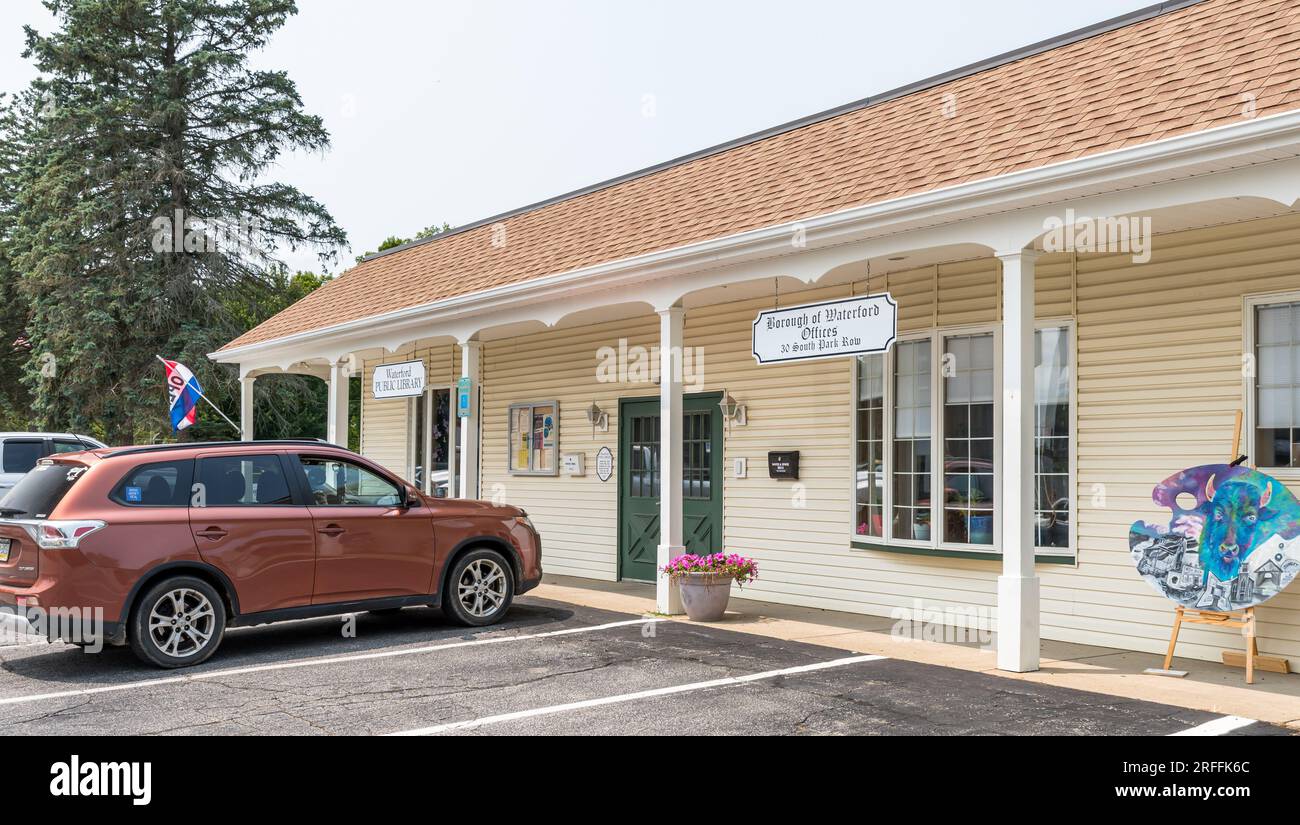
936 336
1249 378
412 460
554 469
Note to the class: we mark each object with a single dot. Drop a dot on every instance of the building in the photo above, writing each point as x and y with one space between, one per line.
1109 218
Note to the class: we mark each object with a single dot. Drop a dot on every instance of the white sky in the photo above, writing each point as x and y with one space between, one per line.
455 111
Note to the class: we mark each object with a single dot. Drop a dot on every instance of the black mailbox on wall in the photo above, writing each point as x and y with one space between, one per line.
783 464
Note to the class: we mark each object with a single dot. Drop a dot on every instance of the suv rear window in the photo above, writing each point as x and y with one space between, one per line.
165 484
37 494
21 456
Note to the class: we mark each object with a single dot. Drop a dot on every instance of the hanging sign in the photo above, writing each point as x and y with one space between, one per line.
398 380
463 404
831 329
1232 540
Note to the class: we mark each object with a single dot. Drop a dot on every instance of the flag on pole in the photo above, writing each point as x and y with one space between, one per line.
184 391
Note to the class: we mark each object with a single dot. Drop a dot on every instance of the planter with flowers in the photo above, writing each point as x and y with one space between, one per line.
705 582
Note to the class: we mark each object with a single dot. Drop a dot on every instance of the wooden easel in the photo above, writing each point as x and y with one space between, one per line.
1244 619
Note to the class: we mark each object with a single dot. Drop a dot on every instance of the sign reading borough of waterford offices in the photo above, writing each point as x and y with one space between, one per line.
830 329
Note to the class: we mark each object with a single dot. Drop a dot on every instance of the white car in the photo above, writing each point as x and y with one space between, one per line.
19 452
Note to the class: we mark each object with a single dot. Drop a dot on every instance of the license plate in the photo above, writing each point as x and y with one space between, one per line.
4 549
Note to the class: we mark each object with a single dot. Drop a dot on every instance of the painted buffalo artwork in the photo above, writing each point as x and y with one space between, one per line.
1232 541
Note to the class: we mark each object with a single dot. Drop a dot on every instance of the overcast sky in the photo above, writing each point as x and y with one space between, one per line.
455 111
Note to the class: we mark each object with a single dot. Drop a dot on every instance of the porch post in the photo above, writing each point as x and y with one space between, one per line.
470 361
336 428
246 407
1018 600
667 596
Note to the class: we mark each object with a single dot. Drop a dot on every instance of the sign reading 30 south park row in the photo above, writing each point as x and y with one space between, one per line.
831 329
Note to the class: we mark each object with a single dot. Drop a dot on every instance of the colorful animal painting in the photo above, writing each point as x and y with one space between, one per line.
1232 540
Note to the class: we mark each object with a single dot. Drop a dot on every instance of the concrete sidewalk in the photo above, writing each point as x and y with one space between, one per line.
1209 686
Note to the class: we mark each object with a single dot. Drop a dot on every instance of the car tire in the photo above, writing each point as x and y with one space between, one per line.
198 623
480 588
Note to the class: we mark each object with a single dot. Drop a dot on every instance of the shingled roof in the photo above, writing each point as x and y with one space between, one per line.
1168 73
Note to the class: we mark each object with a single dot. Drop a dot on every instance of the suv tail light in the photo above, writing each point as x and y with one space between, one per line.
64 535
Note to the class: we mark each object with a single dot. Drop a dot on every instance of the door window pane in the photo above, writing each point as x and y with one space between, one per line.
242 481
1052 377
341 483
1277 385
870 485
697 454
912 465
968 456
644 465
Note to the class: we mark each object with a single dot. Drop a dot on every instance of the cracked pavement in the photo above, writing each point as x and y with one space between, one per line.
426 688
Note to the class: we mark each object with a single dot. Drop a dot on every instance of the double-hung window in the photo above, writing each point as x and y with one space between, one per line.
1274 331
928 443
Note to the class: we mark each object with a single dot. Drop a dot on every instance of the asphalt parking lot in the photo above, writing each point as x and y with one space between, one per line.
550 668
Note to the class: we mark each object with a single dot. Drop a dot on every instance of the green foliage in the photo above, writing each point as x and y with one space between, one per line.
394 240
145 112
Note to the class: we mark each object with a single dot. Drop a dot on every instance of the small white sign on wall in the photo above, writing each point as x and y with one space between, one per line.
573 464
604 464
830 329
398 380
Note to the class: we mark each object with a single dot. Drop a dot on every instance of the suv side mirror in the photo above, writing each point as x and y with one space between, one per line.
410 499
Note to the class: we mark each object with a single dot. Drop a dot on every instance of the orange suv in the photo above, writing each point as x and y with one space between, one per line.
164 547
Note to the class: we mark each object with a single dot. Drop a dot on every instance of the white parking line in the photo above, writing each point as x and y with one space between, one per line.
632 697
1217 727
331 660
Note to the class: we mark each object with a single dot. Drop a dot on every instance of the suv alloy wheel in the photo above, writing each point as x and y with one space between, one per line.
480 588
178 622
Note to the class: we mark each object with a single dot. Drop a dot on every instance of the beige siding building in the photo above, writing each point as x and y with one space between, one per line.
928 482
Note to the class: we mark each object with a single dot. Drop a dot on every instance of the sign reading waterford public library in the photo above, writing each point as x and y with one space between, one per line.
831 329
398 380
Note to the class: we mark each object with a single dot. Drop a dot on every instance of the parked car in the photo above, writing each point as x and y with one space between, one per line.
19 452
178 542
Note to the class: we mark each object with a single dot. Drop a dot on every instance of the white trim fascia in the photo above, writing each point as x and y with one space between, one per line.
999 194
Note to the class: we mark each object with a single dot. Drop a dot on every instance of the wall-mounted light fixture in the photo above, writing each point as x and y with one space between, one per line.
597 418
732 411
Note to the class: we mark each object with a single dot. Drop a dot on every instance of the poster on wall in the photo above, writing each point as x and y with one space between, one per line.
1232 540
830 329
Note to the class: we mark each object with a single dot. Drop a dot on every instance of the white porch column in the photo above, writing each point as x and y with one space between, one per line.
471 357
336 428
667 596
1018 600
246 407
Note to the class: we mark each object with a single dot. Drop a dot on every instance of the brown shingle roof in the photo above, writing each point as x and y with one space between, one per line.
1180 72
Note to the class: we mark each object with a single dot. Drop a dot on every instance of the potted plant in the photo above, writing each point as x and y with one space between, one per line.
921 532
705 581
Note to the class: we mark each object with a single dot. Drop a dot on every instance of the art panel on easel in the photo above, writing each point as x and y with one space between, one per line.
1232 541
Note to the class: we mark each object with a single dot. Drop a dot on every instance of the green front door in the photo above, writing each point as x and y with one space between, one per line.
639 482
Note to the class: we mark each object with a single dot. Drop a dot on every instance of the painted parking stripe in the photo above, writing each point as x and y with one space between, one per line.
730 681
1217 727
330 660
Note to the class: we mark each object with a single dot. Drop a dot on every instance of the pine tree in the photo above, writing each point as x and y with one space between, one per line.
142 214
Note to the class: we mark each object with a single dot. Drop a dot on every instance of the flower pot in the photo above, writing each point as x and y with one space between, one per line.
921 532
981 529
705 596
